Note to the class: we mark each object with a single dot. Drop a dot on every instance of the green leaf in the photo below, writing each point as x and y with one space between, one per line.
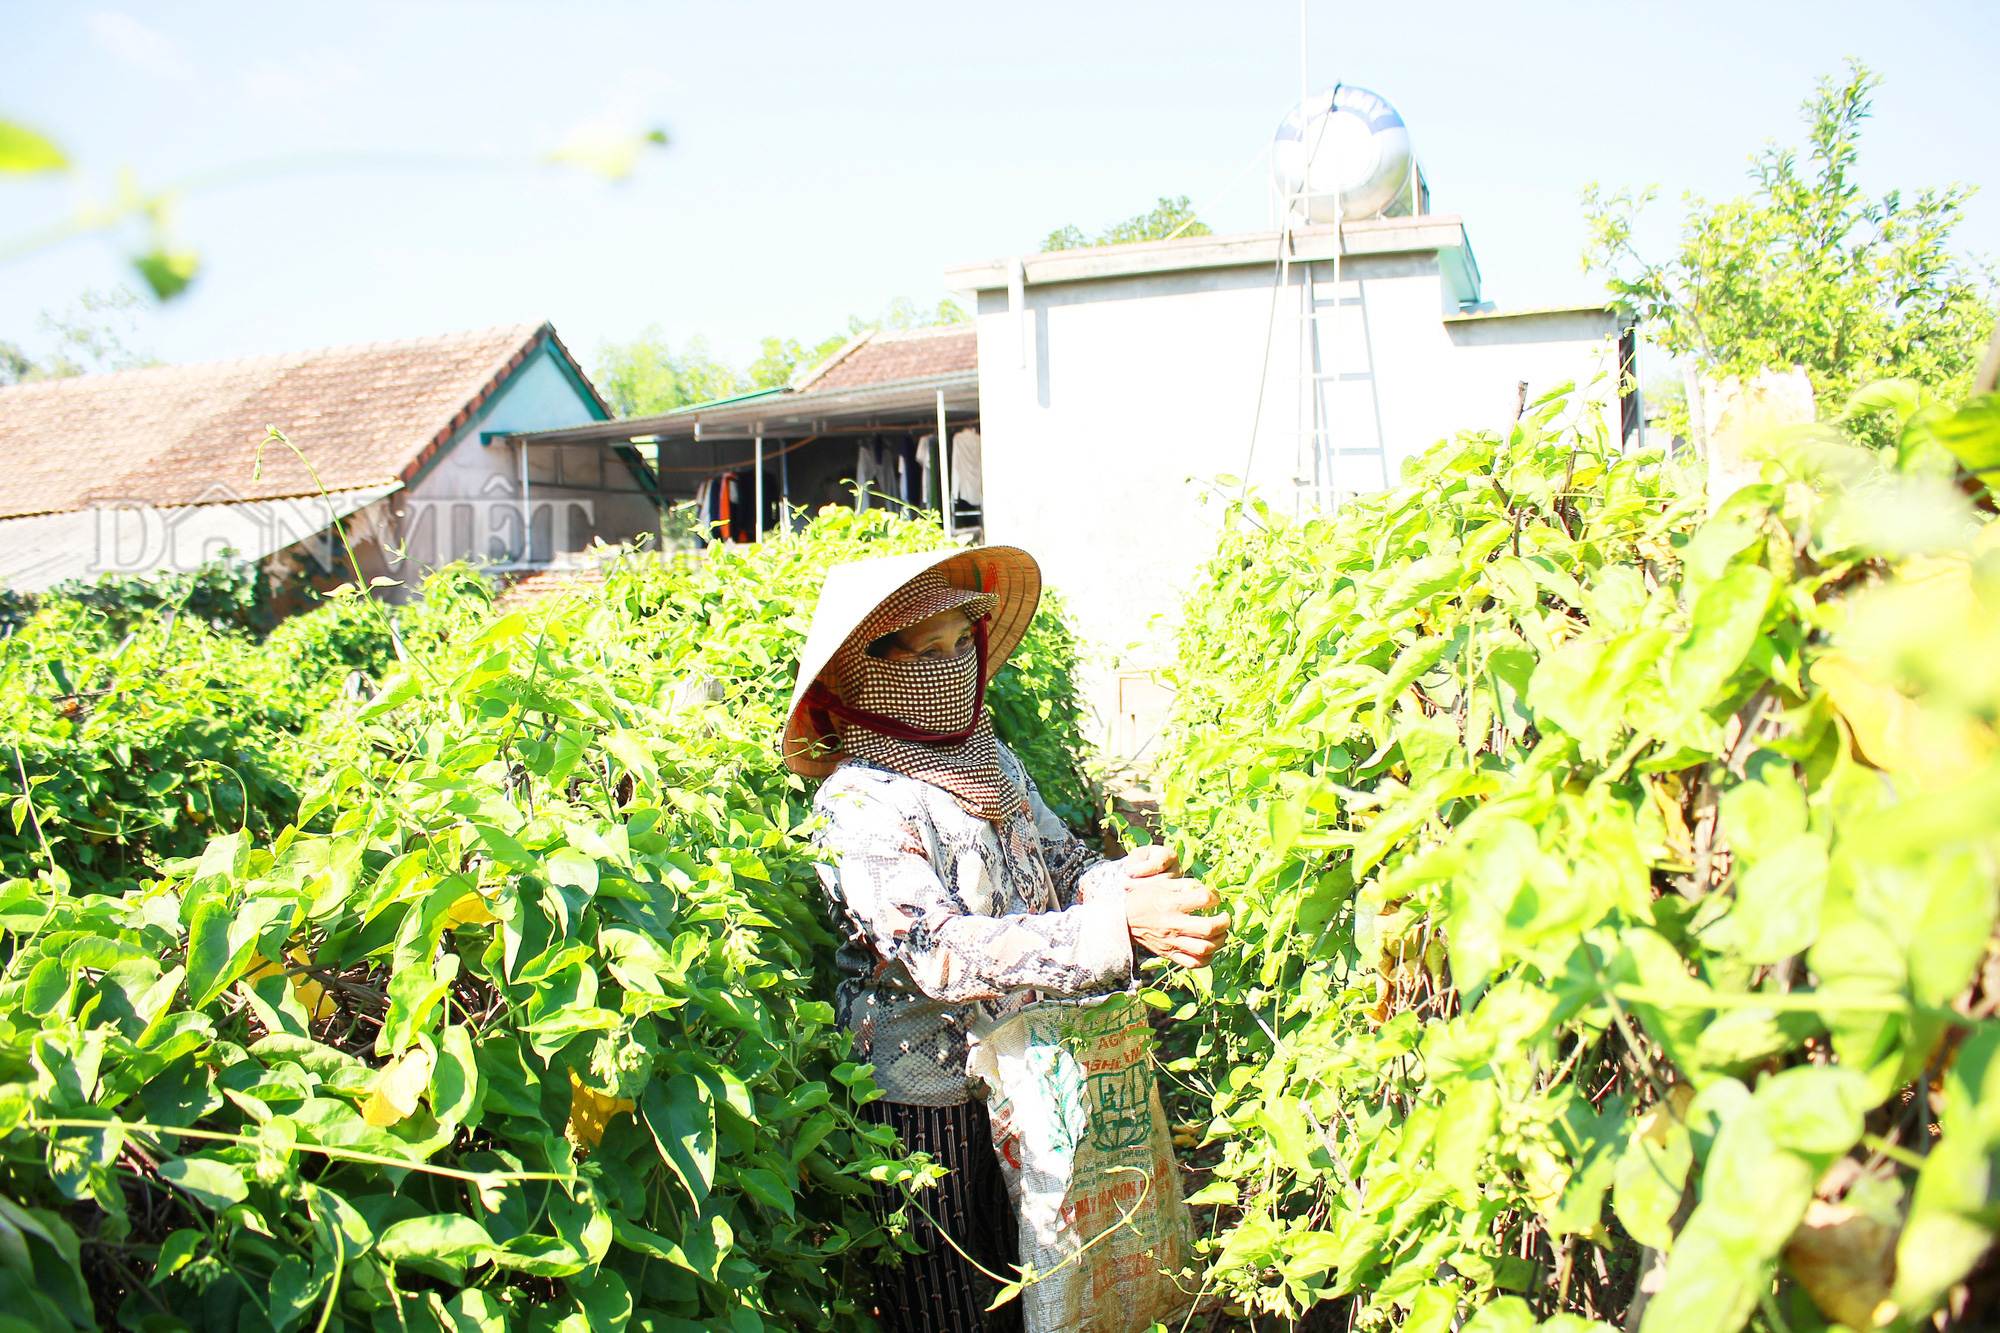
167 272
1764 813
175 1252
1466 1126
294 1291
682 1122
1585 687
216 1184
396 691
22 151
767 1188
570 868
1652 1174
1509 1314
508 627
1433 1309
1778 900
47 987
448 1241
1972 433
313 1057
1756 1184
1955 1209
1280 1118
211 960
1310 1254
503 847
701 1253
1727 617
473 1311
455 1089
1741 1038
607 1303
41 1248
415 993
1899 396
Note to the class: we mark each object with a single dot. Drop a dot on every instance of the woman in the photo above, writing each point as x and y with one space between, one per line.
958 892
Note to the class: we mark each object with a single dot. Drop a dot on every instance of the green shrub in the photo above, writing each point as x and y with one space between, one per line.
515 1022
142 739
224 593
321 648
1608 880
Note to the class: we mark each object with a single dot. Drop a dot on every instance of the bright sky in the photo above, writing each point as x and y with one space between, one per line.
831 155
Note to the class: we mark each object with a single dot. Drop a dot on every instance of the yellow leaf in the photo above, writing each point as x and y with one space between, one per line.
1656 1124
1678 844
1546 1177
1894 733
469 910
23 151
1846 1261
311 994
589 1111
605 150
401 1082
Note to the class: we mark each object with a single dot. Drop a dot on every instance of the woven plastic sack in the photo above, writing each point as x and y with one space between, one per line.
1089 1160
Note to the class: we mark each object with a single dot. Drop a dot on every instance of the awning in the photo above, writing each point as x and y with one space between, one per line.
41 550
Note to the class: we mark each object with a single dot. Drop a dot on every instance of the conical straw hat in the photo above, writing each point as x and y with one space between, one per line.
853 591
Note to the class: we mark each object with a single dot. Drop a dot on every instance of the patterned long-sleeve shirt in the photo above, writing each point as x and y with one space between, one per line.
944 913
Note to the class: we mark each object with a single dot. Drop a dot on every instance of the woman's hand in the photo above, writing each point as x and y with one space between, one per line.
1153 859
1160 914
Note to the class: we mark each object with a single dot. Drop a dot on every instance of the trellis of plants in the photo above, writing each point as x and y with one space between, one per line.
1615 885
456 971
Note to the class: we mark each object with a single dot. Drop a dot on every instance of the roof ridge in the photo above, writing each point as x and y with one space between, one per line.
372 414
928 330
847 349
523 347
279 358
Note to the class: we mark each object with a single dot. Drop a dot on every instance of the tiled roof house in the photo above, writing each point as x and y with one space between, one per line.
867 418
140 471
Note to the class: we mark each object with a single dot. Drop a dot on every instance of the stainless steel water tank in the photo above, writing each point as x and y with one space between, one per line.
1344 139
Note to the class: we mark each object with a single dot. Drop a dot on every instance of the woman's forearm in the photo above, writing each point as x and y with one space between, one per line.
1081 950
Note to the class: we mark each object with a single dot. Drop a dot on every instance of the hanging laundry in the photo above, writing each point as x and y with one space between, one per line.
704 512
910 487
874 475
926 465
967 477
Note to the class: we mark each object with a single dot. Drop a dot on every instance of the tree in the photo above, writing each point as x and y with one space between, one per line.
1169 218
88 338
784 358
1806 270
644 376
781 358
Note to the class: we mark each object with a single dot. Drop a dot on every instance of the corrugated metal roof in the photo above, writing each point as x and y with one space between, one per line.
367 415
877 372
40 550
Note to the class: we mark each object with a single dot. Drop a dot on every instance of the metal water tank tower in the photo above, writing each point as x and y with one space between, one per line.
1349 143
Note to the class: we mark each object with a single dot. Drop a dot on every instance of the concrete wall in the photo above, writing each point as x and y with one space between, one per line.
1102 451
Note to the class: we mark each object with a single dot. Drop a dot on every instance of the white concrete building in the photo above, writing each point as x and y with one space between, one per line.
1117 385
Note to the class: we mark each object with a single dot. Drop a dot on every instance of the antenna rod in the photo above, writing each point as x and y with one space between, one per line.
1305 82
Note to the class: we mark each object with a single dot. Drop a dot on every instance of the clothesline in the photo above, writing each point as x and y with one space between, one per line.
717 470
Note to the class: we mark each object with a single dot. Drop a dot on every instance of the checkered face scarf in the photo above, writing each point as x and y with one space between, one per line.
938 705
